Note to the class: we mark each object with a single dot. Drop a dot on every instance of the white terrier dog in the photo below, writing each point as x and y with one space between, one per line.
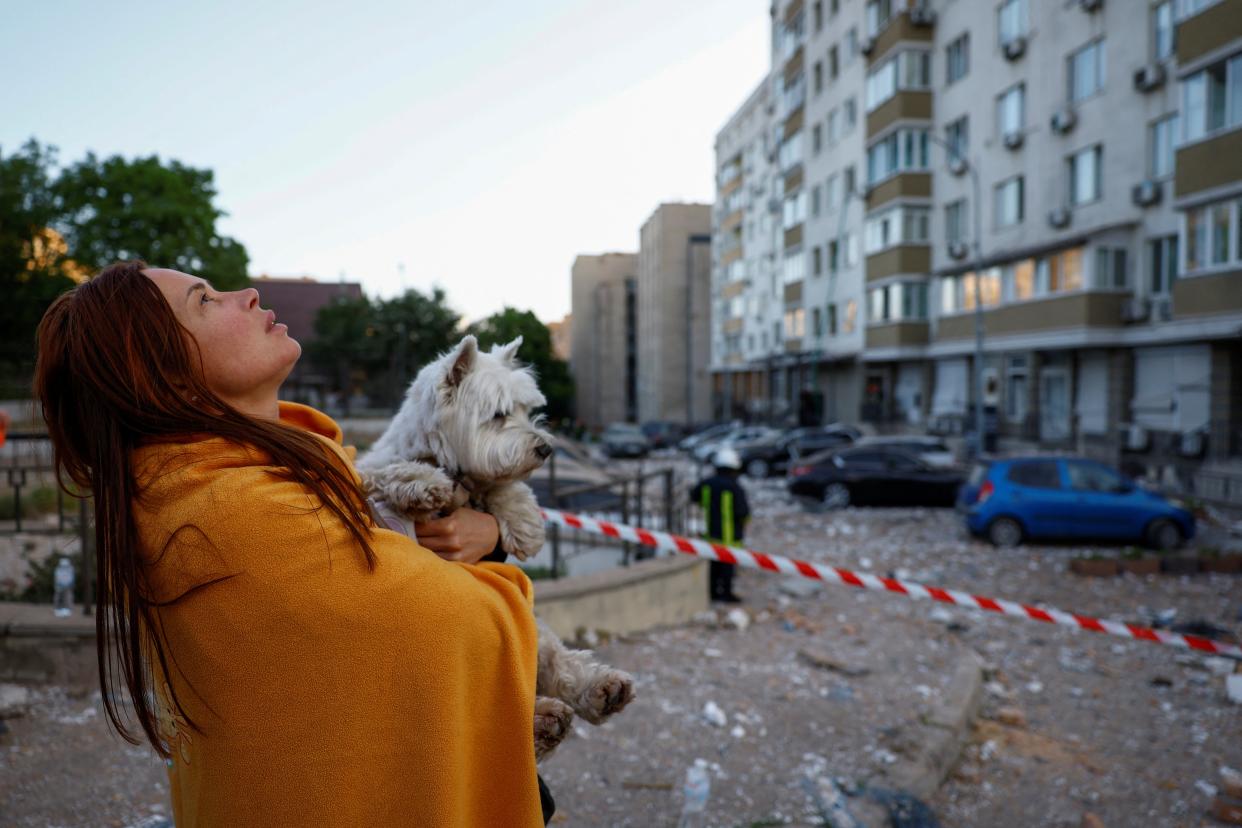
465 434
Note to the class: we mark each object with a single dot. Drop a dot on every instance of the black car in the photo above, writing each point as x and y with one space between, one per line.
624 440
873 476
772 455
662 434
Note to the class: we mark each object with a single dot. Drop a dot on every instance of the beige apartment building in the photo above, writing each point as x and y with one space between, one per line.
603 355
1106 138
674 289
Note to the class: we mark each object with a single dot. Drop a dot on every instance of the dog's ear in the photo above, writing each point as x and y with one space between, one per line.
507 353
462 361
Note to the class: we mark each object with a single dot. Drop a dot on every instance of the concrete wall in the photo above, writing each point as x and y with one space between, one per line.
671 277
652 593
598 335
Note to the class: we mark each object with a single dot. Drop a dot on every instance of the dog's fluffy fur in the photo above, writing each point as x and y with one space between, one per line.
465 433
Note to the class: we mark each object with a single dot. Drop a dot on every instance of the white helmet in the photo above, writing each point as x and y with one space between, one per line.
726 458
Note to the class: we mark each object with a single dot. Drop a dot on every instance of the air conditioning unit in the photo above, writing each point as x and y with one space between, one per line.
1136 309
957 165
1146 193
1135 438
867 46
1162 309
1014 48
1091 5
1059 217
958 250
1149 78
1192 444
1013 140
1064 119
922 16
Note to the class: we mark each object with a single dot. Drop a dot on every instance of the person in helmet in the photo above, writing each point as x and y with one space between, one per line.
726 511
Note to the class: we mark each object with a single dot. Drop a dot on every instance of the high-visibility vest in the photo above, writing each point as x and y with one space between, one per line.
726 514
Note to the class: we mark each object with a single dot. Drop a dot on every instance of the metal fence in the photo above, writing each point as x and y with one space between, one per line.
26 468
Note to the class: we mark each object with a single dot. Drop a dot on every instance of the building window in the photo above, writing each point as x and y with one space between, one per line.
794 210
830 192
817 260
957 136
849 183
791 151
850 113
900 151
834 256
1009 202
1015 389
1086 71
895 226
816 137
851 317
1086 175
795 323
817 322
794 267
1189 8
1212 98
955 221
817 77
879 13
1011 110
1011 20
815 200
818 14
1162 137
905 70
832 319
834 126
1163 31
957 59
1111 267
1162 253
833 64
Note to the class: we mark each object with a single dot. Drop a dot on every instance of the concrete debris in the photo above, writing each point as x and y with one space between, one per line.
14 700
737 619
801 587
714 715
1206 788
1011 716
826 662
1219 666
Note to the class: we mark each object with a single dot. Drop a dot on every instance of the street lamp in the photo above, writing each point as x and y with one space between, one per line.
955 155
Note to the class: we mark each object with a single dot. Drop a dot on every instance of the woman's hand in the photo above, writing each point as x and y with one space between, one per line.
465 535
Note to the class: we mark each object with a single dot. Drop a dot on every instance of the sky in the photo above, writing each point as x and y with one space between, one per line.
478 148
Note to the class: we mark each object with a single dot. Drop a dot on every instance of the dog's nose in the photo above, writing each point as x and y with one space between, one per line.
544 451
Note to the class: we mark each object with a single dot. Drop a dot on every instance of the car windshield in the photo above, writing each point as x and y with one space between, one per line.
620 430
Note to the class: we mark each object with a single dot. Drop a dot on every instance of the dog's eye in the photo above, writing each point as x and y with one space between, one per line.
500 416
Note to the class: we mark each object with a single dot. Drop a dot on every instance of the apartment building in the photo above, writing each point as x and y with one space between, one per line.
1105 140
603 353
674 272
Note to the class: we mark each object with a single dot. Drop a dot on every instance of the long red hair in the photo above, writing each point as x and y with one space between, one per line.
116 370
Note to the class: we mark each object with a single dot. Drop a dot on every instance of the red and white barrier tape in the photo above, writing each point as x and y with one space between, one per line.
835 575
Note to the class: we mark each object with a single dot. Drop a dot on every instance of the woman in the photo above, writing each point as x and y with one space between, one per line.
294 664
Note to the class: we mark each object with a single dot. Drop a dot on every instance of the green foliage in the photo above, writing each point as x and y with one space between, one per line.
378 346
115 209
554 378
38 501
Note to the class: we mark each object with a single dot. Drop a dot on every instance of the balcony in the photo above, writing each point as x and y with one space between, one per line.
898 29
1082 309
1206 295
1212 29
905 334
1209 163
793 236
906 104
915 184
913 259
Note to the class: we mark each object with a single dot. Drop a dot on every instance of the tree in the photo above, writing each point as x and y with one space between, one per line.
115 209
33 267
382 344
554 378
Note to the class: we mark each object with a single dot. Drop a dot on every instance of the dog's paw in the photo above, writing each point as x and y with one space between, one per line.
611 691
522 539
428 494
553 719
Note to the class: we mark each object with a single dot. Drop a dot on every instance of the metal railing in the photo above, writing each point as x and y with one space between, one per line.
27 466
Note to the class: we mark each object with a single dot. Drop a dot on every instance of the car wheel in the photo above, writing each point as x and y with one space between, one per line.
757 469
1164 535
836 496
1005 532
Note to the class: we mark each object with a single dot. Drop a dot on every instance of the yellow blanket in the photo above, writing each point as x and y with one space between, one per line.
329 694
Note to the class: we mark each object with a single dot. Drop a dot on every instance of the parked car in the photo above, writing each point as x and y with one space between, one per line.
662 434
867 475
772 455
736 436
710 432
624 440
1015 499
931 450
575 469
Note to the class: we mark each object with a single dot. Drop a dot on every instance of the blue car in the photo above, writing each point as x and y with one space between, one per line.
1012 500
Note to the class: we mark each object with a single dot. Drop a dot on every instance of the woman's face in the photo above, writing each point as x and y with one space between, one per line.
246 354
